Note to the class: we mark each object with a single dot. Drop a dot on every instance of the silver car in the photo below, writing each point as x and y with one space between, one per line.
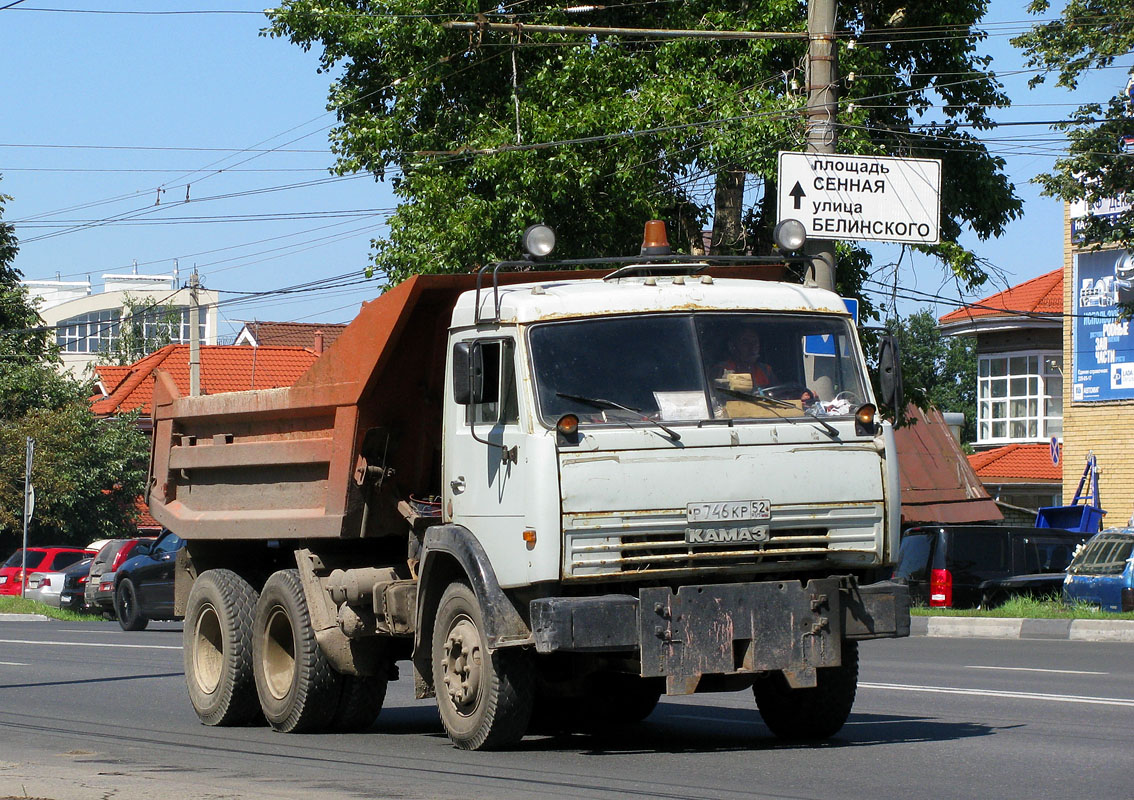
47 587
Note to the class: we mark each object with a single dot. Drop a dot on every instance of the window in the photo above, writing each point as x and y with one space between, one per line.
94 332
1019 397
500 382
1103 556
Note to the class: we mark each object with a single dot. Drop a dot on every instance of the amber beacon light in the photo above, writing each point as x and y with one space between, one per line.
655 242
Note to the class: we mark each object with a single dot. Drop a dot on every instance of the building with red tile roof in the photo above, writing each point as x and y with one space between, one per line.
1019 343
1031 303
317 336
224 368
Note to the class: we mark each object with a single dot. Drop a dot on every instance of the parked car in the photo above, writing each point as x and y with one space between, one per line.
99 589
965 566
74 582
1102 572
48 587
39 559
143 585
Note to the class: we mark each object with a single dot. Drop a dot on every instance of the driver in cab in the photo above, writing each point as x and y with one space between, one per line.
744 370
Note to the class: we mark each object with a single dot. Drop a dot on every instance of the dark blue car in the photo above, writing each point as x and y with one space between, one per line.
1102 572
143 585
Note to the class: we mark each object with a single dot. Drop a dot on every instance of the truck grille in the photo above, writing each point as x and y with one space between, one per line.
647 543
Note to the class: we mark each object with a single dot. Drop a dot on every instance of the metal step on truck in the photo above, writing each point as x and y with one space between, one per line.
559 490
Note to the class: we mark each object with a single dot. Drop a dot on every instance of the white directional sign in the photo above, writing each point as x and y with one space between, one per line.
862 197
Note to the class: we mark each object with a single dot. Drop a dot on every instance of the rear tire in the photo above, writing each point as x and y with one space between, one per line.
218 649
485 699
815 713
298 689
130 616
360 703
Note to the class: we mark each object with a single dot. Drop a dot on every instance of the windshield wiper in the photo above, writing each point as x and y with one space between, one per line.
757 396
599 402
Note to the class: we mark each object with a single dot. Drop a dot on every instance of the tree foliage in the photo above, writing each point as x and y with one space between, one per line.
1099 166
938 370
87 472
484 133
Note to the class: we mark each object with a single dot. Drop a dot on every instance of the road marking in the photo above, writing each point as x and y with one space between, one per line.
1037 669
1054 698
13 664
95 644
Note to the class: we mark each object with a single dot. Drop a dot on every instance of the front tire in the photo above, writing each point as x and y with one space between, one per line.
485 699
218 649
130 616
298 689
814 713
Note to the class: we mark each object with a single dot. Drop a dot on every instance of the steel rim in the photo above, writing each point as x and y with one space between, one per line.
208 650
462 666
279 654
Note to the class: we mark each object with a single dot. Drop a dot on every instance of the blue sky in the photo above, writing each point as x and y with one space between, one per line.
101 110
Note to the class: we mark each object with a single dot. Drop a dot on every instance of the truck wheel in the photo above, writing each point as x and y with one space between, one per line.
815 713
130 617
360 703
485 698
298 688
218 648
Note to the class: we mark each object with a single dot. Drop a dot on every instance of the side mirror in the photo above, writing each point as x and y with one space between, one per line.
890 373
468 373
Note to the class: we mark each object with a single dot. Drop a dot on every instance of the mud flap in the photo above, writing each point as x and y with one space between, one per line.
740 628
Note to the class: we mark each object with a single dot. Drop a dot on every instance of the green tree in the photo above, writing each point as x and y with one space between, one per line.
938 370
87 473
1089 35
463 124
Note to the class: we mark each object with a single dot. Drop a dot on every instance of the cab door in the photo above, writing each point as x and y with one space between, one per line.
485 455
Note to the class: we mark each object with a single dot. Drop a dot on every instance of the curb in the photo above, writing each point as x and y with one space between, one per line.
1077 630
24 618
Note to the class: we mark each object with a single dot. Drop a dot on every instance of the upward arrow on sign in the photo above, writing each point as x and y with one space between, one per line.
797 193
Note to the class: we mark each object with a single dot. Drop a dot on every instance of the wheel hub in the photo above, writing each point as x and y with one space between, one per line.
462 665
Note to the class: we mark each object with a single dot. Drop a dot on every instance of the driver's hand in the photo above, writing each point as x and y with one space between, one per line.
739 381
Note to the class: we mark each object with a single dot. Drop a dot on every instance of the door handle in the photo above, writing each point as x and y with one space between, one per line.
457 485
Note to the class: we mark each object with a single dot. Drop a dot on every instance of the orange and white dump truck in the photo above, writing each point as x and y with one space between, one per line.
552 494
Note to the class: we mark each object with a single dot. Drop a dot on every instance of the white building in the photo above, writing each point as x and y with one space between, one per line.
87 323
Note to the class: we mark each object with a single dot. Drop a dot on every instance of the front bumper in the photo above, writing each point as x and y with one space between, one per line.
725 629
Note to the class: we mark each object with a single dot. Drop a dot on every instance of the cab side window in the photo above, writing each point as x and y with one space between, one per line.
501 405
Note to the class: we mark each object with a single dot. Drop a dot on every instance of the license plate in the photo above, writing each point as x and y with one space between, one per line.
729 511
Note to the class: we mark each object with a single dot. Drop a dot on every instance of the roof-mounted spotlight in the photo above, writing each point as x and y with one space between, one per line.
789 235
538 240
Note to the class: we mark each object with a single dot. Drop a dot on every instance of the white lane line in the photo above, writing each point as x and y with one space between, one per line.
1054 698
1037 669
13 664
95 644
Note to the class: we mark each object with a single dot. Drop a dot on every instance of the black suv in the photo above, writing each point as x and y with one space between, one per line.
966 566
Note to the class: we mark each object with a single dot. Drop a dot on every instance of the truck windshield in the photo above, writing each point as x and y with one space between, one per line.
694 367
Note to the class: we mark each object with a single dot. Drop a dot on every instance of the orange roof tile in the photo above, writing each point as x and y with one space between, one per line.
293 334
1042 295
110 375
1022 463
224 368
145 522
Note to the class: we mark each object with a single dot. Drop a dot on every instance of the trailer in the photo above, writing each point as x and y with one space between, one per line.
545 488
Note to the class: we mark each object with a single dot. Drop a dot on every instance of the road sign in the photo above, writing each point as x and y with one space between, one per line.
862 197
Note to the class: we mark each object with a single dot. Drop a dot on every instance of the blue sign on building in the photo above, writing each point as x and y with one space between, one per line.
1102 347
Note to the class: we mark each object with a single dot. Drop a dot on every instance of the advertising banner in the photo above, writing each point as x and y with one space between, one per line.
1101 344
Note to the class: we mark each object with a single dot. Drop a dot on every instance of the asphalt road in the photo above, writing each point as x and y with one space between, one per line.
88 711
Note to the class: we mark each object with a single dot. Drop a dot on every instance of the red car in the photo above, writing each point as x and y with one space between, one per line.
40 559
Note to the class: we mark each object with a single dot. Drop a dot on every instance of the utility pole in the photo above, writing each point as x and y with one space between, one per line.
29 508
822 108
194 336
